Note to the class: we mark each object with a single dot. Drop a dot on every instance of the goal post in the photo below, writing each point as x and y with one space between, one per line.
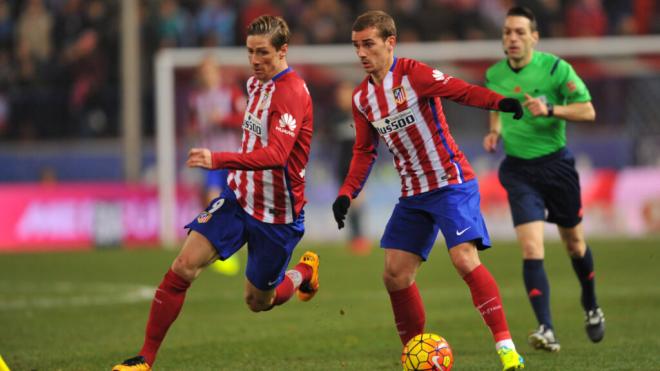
340 56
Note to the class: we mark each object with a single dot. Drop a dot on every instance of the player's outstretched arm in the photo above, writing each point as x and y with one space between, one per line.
199 157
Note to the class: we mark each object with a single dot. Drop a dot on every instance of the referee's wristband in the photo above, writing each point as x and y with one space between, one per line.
551 109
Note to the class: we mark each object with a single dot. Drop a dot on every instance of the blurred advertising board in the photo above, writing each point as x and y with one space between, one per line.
615 203
83 215
59 216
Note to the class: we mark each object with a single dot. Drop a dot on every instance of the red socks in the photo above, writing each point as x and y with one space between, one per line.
292 280
487 300
165 307
408 312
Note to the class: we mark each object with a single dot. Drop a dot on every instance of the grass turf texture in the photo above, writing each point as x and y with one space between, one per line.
87 311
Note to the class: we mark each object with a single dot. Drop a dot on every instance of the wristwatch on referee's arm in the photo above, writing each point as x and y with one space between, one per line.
551 109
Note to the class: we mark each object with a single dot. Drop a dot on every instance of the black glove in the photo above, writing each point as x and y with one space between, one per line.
511 105
340 208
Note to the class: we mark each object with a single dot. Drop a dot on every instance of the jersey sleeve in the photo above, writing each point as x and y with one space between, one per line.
430 82
571 86
364 155
285 119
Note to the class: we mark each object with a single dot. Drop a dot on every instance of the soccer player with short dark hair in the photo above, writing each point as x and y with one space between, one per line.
538 172
263 205
399 101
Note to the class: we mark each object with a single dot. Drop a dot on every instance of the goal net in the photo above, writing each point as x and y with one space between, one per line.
621 72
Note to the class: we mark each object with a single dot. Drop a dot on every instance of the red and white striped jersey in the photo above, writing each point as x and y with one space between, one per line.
405 111
268 174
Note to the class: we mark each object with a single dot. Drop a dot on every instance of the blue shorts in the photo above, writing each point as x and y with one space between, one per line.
216 179
453 209
228 227
549 183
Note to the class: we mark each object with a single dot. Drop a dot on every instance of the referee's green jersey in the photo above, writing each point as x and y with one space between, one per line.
547 77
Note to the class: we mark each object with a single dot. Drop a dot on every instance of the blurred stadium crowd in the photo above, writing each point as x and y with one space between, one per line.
59 59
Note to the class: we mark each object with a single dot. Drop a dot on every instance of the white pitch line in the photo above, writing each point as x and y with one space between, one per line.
67 294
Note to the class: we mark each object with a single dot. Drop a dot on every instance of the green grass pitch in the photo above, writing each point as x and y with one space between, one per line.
87 311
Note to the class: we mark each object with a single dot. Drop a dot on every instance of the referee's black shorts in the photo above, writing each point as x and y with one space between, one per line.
549 183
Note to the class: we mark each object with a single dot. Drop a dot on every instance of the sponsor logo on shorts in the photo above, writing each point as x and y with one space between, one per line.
458 233
204 217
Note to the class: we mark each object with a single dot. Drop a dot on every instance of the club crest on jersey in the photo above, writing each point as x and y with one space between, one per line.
287 124
399 95
264 101
204 217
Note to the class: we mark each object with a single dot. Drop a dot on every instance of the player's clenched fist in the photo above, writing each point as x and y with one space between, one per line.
340 208
199 157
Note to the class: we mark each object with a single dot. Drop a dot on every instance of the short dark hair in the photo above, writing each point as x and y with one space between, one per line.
272 26
378 19
523 11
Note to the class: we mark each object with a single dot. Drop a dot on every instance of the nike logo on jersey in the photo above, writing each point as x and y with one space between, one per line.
272 283
458 233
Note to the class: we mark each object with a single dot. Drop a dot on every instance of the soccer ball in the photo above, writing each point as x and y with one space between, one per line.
427 352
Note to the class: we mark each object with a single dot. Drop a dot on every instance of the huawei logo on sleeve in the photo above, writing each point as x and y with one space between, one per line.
439 76
287 124
288 121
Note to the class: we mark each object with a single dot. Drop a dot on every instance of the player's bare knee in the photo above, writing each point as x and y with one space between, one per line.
531 250
576 247
464 257
463 265
182 267
396 279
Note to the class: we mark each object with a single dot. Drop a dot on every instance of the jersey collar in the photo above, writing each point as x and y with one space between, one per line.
282 73
517 70
393 64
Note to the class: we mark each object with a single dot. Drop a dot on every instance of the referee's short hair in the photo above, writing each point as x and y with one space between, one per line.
523 11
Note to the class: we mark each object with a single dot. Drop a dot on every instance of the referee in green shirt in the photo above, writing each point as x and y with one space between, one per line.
538 172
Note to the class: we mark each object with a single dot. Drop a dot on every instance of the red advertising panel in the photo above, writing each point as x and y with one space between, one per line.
82 215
